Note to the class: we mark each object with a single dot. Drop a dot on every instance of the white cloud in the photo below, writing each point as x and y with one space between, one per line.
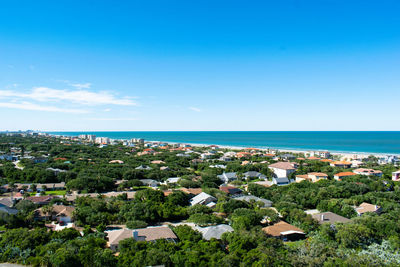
111 119
35 107
81 85
107 109
195 109
84 97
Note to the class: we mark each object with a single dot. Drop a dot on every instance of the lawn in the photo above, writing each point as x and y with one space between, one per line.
55 192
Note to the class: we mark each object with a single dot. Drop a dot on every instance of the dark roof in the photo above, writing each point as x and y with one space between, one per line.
329 217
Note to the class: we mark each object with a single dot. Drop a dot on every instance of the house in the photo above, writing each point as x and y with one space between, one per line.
172 180
227 177
250 198
164 168
143 167
9 157
281 181
149 182
230 190
323 154
341 164
40 160
312 177
191 191
339 176
264 183
396 176
41 200
149 234
366 207
225 158
356 163
283 169
214 231
287 157
329 217
368 172
284 231
61 213
157 162
254 174
116 161
203 199
55 170
6 206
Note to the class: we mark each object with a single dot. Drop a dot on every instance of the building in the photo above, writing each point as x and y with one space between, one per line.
149 182
149 234
312 177
227 177
339 176
254 174
396 176
61 213
329 217
143 167
172 180
366 207
230 190
283 169
203 199
250 198
41 200
368 172
284 231
214 231
281 181
341 164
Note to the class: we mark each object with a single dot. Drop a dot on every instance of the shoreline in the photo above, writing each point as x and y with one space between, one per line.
348 154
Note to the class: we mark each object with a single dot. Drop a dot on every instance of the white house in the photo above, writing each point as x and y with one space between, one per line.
283 169
202 199
396 176
227 177
312 177
368 172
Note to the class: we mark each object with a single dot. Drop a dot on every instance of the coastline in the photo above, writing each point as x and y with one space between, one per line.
351 153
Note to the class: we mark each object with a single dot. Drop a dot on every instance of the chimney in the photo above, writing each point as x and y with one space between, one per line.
376 207
322 217
135 235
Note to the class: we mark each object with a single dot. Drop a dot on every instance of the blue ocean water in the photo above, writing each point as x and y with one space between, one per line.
368 142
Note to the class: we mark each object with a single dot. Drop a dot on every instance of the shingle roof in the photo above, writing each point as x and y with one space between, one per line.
280 228
214 231
329 217
283 165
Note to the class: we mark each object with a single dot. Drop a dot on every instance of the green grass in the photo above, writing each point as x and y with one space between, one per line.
56 192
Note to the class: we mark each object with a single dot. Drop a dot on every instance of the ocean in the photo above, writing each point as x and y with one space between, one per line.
346 141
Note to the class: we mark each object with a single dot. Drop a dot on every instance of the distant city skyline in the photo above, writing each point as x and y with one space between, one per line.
210 65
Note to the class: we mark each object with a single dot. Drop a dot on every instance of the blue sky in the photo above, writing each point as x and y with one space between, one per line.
200 65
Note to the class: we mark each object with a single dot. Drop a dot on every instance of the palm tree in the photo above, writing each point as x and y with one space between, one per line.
48 209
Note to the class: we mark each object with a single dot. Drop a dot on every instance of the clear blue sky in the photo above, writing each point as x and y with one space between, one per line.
200 65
